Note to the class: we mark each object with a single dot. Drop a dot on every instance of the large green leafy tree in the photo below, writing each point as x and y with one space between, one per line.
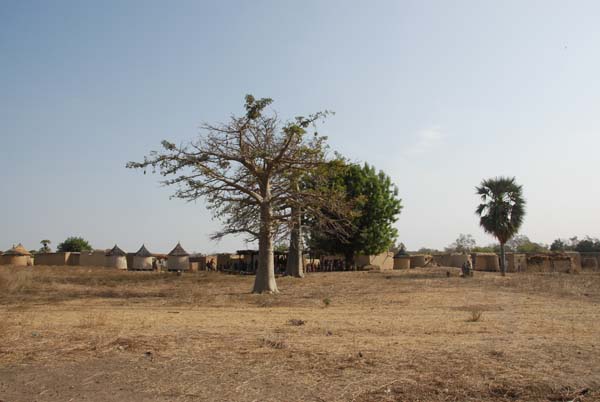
501 211
74 244
376 206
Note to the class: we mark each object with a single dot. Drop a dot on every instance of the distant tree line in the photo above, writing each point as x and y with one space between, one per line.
587 244
519 244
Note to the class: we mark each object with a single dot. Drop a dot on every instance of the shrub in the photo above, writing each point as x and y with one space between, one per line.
475 315
74 244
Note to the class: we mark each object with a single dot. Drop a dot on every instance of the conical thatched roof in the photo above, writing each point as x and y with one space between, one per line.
143 252
401 254
116 251
17 250
178 251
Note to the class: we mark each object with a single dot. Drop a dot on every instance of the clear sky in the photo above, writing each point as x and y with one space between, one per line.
437 94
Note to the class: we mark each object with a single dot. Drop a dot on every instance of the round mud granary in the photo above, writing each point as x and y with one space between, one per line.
116 258
401 261
143 259
17 256
179 259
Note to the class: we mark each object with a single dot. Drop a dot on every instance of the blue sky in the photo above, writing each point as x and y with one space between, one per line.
437 94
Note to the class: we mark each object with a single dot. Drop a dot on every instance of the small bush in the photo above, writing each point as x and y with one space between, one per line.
326 301
475 315
274 342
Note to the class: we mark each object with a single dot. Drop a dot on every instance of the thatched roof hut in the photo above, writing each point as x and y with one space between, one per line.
17 250
16 255
116 258
143 259
179 259
402 260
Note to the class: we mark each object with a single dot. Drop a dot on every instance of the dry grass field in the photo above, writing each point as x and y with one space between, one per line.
80 334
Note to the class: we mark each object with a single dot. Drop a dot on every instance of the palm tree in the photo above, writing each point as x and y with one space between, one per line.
502 210
45 248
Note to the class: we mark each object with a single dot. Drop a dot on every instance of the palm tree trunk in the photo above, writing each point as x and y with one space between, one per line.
502 260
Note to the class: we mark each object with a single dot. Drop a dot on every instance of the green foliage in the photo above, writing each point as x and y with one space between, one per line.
522 244
74 244
427 250
559 245
588 244
490 248
502 209
399 249
45 246
375 204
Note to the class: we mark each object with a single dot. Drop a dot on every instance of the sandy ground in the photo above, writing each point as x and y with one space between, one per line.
80 334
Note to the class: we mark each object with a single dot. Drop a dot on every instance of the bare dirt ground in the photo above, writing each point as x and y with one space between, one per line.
80 334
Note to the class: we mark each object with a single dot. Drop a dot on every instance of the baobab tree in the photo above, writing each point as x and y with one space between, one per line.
243 170
501 211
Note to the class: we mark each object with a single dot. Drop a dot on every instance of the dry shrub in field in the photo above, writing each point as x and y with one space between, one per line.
274 342
15 281
326 302
296 322
475 315
91 321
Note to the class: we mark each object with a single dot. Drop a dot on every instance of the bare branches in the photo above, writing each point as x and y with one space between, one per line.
242 164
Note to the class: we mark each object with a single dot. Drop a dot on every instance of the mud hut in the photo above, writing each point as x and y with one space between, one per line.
143 260
450 260
516 262
383 261
486 262
116 258
58 259
200 262
420 260
590 260
179 259
401 260
93 258
589 263
551 262
17 256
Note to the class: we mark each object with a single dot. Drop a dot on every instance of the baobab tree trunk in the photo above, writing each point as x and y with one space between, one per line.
264 282
502 260
295 266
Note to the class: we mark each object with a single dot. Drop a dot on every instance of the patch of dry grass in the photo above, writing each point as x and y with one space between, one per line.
15 280
395 336
92 321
